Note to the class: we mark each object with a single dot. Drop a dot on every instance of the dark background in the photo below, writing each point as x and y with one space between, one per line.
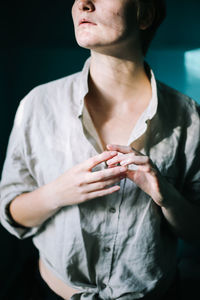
37 46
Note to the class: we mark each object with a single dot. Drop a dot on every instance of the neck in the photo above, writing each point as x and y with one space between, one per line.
115 79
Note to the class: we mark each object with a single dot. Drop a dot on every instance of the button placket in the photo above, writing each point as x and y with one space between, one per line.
109 242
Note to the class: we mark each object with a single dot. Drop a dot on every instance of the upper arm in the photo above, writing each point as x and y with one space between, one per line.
16 177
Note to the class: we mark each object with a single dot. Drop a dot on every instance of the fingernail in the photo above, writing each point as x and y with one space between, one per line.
124 162
133 167
113 153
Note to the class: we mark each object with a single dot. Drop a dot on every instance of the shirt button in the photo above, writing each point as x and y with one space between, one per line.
107 249
103 286
112 210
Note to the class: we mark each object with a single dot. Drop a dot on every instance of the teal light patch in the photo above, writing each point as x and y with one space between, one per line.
192 67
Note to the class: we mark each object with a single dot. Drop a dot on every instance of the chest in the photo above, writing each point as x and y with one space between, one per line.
49 155
115 129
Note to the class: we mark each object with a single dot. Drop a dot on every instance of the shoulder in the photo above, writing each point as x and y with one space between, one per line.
48 98
53 90
177 105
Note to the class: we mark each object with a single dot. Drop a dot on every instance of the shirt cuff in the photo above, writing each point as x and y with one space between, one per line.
19 231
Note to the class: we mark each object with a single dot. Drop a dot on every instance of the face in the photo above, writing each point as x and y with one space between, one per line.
104 23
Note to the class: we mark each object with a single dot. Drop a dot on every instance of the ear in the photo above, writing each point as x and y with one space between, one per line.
147 17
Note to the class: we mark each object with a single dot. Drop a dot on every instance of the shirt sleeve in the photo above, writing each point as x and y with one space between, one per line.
16 177
191 189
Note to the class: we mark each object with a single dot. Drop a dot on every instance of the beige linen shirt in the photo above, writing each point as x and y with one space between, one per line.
118 246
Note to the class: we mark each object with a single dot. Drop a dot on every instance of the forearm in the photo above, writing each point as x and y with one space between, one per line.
182 215
32 209
75 186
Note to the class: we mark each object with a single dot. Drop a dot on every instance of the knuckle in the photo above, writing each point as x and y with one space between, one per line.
115 174
85 178
100 193
147 159
83 198
110 182
102 185
80 182
80 190
100 176
105 153
94 160
148 169
115 171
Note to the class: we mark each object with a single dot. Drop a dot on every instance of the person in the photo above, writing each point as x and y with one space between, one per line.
103 168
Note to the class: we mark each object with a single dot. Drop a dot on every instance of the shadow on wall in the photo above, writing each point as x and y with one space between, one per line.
178 68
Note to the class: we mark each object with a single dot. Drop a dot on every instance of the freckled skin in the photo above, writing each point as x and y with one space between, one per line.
115 23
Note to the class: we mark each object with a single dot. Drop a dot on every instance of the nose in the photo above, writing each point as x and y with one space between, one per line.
86 5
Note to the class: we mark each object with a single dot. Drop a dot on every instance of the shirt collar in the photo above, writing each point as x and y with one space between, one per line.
83 86
153 104
141 125
148 114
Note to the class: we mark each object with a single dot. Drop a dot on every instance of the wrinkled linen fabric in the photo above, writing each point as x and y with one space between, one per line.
118 246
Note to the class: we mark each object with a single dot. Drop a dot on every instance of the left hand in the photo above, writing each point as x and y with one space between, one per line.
144 173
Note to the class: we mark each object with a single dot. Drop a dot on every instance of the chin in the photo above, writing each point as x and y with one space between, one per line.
98 44
95 45
86 43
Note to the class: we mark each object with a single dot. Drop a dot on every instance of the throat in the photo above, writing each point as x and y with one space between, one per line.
115 118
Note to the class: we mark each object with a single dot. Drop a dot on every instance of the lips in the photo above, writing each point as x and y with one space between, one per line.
86 21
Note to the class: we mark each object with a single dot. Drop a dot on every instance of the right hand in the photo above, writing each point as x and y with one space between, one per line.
80 184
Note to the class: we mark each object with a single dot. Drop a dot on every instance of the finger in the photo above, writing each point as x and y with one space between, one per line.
105 174
112 166
139 168
126 159
118 158
137 160
120 148
101 185
123 149
104 192
148 168
97 159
